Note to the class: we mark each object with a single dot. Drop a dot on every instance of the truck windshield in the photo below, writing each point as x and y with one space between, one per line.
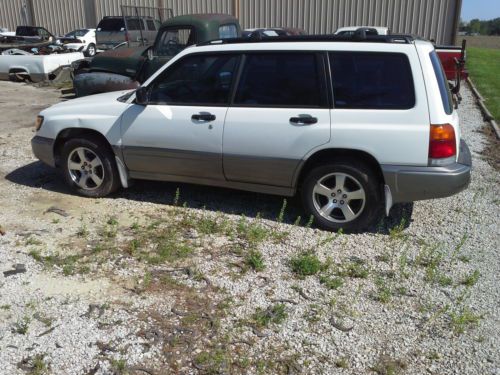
111 24
444 88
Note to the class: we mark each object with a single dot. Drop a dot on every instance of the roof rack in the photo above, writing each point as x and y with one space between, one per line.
359 36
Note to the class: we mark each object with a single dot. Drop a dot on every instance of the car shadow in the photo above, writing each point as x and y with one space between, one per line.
38 175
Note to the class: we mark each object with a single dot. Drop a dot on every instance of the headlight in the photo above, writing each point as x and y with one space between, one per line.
38 122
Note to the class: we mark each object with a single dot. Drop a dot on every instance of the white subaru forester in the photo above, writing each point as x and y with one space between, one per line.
354 125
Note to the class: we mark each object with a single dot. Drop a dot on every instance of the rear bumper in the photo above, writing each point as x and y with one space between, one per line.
43 149
410 184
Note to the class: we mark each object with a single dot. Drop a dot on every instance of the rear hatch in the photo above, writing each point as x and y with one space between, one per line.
110 32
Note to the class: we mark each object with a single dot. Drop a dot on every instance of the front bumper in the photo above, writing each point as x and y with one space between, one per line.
408 184
43 149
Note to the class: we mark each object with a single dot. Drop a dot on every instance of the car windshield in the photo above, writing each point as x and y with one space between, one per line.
77 33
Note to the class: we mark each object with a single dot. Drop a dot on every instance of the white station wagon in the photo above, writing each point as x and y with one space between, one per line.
353 125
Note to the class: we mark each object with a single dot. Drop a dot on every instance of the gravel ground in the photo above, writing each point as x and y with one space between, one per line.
202 280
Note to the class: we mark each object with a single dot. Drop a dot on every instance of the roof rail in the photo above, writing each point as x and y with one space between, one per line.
357 37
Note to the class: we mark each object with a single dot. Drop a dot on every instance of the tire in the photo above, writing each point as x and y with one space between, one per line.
90 51
358 204
89 167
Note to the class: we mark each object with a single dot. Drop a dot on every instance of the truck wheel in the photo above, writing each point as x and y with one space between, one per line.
90 52
89 167
342 195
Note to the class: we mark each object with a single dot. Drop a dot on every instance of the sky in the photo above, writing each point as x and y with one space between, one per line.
482 9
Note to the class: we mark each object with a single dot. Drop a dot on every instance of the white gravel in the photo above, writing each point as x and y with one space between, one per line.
412 332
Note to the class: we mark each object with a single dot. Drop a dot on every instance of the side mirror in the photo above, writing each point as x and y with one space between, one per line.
142 95
151 54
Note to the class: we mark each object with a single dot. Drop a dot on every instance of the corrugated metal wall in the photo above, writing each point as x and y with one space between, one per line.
10 13
59 16
428 18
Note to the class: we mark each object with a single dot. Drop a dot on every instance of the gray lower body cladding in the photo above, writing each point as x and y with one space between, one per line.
43 149
410 184
274 176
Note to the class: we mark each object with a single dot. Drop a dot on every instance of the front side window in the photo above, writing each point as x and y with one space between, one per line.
369 80
196 80
173 41
444 88
280 80
228 31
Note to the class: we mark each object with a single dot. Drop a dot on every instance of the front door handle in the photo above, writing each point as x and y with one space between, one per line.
205 117
303 120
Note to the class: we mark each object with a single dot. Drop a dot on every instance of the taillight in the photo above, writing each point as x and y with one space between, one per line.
442 142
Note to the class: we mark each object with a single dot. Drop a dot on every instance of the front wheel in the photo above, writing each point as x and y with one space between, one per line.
343 195
89 167
91 50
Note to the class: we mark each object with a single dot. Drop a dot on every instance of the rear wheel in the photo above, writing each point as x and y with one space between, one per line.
343 195
89 167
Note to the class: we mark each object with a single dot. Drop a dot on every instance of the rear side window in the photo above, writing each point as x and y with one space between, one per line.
280 80
196 80
134 24
111 24
151 25
366 80
228 31
444 88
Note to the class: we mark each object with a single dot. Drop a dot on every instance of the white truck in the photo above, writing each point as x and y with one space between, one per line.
20 65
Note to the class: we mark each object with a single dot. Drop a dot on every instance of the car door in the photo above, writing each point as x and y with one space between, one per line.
279 114
179 131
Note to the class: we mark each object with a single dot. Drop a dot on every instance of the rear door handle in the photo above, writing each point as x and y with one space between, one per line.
205 117
303 120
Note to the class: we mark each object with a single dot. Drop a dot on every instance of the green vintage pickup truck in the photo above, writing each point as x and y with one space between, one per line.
127 68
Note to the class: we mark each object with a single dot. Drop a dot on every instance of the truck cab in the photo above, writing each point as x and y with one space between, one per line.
127 68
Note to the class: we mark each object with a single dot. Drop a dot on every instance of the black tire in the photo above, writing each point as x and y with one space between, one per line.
90 51
107 168
356 173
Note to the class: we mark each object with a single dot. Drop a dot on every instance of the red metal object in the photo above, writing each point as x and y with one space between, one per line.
449 56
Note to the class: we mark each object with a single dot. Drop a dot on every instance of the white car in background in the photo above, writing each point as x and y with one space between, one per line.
370 30
81 40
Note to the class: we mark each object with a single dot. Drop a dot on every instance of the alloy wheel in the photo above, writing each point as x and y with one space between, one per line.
339 197
85 168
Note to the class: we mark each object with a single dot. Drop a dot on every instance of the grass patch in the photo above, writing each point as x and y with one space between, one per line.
22 325
484 67
388 366
306 264
471 280
273 314
255 260
331 282
355 268
464 319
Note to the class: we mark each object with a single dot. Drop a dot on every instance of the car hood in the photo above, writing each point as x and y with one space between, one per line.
123 61
99 105
101 113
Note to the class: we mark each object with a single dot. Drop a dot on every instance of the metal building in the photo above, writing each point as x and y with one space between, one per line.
432 19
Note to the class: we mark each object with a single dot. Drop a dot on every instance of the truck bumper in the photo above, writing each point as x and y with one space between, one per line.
408 184
43 149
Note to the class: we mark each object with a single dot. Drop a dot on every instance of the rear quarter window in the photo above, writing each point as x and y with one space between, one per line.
444 88
372 80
